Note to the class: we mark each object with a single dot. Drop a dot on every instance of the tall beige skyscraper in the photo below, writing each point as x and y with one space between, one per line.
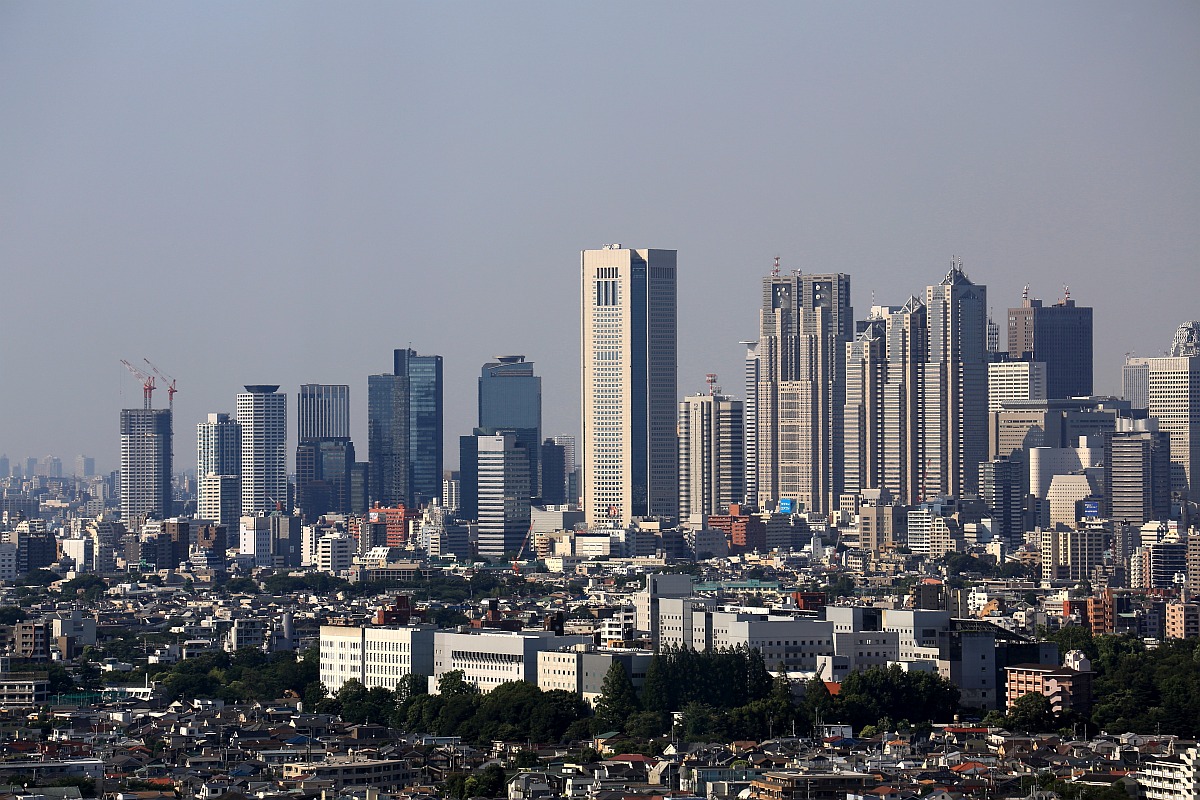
804 325
1175 401
628 360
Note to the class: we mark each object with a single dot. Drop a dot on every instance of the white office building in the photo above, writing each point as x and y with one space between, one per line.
262 414
489 658
374 656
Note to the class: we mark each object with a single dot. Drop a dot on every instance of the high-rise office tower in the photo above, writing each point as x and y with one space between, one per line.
804 325
1010 381
387 438
711 458
1175 401
219 469
863 421
323 411
262 415
750 423
424 424
323 468
145 463
955 424
504 514
510 399
404 431
1001 488
553 463
1135 381
629 383
1060 336
85 467
5 468
907 332
324 455
570 465
1137 472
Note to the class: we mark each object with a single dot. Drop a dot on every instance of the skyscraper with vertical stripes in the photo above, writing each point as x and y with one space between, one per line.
629 365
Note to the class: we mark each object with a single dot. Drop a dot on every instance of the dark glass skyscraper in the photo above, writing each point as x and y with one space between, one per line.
424 424
1060 336
404 430
510 399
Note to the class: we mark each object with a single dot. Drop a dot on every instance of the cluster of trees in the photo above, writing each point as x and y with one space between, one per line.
729 695
245 676
514 711
1135 688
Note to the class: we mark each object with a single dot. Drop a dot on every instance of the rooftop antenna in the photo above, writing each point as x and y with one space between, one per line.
711 380
1025 293
775 269
1066 293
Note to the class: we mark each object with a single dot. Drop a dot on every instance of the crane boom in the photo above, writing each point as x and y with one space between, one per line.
167 380
147 382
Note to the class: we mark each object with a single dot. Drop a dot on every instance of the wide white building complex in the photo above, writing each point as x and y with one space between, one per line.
374 656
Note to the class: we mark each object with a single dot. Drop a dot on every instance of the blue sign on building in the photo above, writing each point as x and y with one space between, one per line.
785 506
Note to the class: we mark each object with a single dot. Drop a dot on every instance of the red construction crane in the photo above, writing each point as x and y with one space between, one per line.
166 379
147 382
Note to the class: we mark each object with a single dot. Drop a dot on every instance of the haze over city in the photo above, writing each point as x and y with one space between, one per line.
284 193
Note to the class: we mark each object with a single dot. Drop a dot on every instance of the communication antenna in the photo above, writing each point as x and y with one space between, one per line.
1066 293
775 269
1025 293
711 380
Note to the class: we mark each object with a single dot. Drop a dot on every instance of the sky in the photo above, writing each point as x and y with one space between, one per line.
284 192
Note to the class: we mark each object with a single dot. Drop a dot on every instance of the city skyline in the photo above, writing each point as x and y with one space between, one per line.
1044 146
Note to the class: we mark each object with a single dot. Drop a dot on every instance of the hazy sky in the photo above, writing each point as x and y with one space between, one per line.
284 192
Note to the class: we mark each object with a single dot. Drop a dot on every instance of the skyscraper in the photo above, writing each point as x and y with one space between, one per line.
324 454
219 469
323 411
504 512
955 429
510 399
404 431
629 383
1015 380
145 463
1137 472
262 415
907 334
424 424
323 468
1135 381
750 423
570 465
387 438
711 458
1001 488
863 431
804 325
1175 401
1060 336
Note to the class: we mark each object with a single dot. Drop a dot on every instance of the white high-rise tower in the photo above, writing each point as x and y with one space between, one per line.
629 383
262 413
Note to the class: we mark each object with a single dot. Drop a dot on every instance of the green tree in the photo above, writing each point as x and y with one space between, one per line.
656 692
455 684
618 700
1030 713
